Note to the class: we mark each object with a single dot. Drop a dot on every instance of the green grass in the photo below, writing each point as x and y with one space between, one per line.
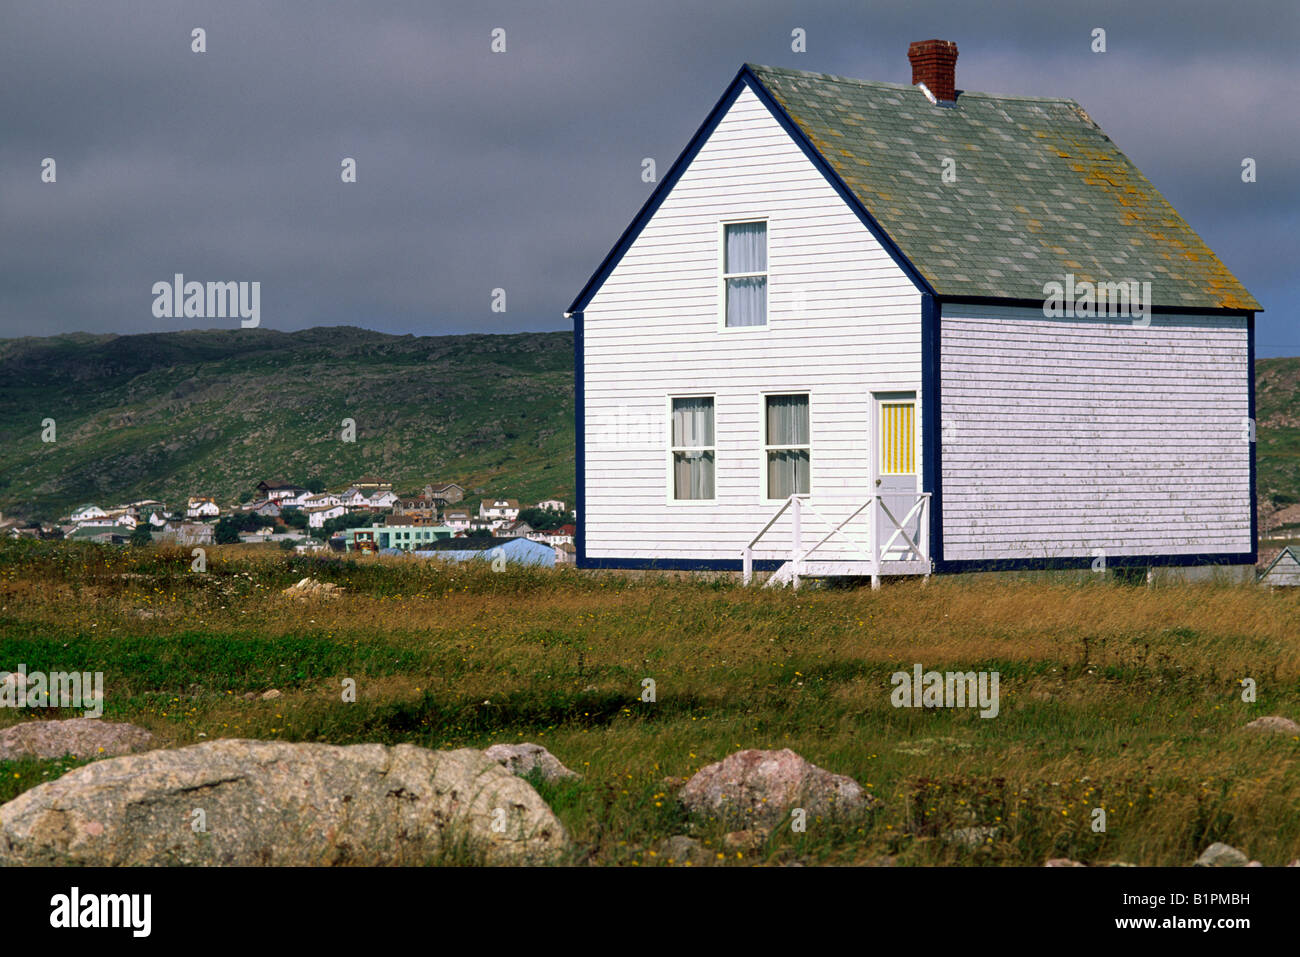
1113 696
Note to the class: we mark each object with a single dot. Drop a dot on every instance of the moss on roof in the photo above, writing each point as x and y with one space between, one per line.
1040 191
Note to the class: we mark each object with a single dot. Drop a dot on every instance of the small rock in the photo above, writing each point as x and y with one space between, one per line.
971 836
521 759
682 849
1062 862
1275 723
272 694
249 696
1219 854
311 588
750 840
762 787
79 737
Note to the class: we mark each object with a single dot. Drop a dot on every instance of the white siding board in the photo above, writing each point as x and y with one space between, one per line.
1068 435
651 331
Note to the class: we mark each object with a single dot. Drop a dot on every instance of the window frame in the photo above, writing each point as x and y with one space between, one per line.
723 275
670 490
765 448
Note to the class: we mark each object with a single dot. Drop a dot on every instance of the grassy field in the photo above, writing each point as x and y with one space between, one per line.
1114 696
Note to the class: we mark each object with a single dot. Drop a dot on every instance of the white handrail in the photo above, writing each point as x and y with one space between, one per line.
872 553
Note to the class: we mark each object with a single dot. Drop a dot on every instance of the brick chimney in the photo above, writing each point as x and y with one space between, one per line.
934 63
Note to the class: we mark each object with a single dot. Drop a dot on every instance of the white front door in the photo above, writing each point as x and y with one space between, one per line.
896 472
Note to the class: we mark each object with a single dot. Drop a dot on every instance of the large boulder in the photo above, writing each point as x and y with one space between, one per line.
277 803
755 787
522 759
79 737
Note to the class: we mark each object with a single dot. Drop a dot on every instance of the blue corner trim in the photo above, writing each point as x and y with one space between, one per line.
580 450
745 78
1254 494
931 420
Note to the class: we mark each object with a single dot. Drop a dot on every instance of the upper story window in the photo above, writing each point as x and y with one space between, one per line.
744 274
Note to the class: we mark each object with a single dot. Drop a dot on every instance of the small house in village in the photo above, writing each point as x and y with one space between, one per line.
499 509
1284 569
276 489
867 328
445 493
458 518
86 513
318 515
200 506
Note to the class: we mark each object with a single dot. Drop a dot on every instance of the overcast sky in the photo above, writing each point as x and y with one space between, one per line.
519 170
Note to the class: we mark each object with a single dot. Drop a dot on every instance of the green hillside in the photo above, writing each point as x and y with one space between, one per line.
172 414
1277 433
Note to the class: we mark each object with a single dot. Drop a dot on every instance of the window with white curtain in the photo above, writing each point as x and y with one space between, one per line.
692 448
744 273
788 446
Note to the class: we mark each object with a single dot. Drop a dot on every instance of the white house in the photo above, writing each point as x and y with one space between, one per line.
86 513
201 507
324 498
386 498
318 515
354 498
876 328
551 505
457 518
499 509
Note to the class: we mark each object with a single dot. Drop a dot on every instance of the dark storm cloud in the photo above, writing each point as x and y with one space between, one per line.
519 170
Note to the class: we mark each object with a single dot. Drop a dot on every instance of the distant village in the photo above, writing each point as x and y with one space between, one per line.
367 516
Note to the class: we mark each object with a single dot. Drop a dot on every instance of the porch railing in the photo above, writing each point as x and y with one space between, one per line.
874 552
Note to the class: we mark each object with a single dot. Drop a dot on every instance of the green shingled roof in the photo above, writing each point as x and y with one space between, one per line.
1041 191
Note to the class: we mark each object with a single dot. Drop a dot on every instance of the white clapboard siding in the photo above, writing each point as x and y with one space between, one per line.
1064 436
843 321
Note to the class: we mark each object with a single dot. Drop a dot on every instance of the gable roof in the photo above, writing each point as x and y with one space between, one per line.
1041 191
1290 552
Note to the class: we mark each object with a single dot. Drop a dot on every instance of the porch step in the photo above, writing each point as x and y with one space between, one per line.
784 575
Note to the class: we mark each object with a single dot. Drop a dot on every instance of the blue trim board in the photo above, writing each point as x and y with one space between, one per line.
1038 304
580 450
988 565
1115 561
743 79
1250 378
931 420
683 564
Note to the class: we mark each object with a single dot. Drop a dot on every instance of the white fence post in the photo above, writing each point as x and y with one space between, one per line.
748 565
796 539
